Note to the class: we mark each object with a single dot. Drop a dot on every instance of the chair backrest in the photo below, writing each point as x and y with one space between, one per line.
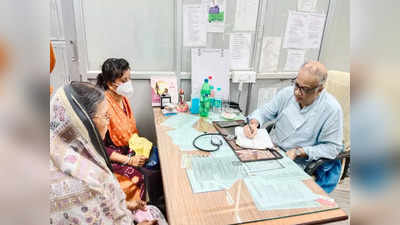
338 84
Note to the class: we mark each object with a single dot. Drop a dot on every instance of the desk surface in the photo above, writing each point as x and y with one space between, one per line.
184 207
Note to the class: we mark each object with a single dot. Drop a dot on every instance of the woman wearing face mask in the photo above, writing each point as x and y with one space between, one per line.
128 168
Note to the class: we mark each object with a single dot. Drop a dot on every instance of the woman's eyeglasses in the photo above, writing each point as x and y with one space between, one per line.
105 116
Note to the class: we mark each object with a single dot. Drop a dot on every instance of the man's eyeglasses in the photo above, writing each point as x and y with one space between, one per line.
303 90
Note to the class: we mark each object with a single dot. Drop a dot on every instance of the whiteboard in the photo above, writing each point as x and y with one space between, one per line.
210 62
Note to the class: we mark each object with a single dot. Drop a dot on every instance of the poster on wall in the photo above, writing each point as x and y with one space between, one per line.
194 26
304 30
240 46
294 59
246 15
270 54
306 5
163 85
316 23
296 30
215 15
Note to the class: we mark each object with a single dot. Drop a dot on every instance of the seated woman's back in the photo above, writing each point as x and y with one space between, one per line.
83 189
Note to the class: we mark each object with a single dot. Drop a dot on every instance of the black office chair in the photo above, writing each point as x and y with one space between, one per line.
313 165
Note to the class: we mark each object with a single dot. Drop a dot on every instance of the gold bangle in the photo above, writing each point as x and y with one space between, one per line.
127 161
130 160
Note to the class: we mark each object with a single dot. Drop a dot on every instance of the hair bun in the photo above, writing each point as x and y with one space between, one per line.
100 81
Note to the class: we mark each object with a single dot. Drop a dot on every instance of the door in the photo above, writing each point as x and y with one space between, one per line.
63 39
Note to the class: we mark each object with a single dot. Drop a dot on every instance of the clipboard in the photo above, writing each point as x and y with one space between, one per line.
245 154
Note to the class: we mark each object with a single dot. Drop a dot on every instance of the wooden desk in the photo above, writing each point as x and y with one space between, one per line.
185 208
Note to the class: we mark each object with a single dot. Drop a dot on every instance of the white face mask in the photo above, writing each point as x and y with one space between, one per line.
125 89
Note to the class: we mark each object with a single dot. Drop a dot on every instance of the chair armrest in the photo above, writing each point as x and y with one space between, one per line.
269 125
313 165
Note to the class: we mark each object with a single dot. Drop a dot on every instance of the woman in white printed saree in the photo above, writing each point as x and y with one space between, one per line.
83 189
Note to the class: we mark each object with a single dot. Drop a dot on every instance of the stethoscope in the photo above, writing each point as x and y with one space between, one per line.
215 140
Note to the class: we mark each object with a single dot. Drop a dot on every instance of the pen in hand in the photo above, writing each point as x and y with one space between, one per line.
250 132
251 129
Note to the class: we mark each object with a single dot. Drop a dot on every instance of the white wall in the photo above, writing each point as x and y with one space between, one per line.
334 54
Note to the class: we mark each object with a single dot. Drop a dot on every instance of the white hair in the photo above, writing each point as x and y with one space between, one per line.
317 69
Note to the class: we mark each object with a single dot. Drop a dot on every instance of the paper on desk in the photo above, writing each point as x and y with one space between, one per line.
214 173
184 133
268 193
260 141
259 167
286 170
224 151
180 120
201 186
186 161
219 169
183 137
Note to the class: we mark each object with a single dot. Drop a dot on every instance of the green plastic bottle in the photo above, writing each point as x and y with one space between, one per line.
212 96
205 99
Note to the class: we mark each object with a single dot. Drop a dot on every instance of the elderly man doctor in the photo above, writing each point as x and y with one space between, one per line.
309 122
